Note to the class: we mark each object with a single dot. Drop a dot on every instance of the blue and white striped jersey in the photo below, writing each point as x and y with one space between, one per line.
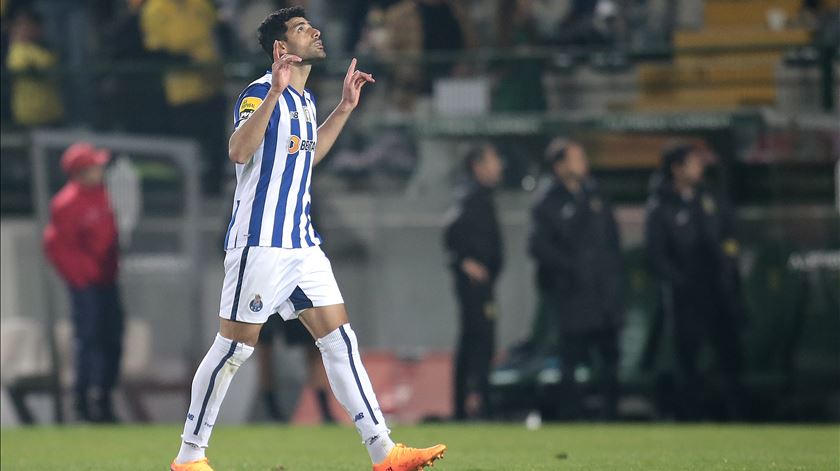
272 200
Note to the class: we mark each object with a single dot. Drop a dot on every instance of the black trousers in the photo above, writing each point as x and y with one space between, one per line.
694 328
98 328
476 344
582 347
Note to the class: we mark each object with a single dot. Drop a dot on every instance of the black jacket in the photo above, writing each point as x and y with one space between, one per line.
472 230
691 249
575 242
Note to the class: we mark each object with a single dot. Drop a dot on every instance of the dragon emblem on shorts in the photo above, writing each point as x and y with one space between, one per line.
256 304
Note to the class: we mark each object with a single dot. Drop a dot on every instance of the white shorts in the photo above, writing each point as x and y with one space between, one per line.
261 281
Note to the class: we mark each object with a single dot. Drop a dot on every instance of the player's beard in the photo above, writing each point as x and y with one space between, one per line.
313 55
312 59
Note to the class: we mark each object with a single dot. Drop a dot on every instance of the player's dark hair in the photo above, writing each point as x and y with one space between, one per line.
273 28
474 155
674 153
557 151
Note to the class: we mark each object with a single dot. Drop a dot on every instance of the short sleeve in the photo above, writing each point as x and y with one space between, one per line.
248 102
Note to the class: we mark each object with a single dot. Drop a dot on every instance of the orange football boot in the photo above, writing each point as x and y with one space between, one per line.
200 465
403 458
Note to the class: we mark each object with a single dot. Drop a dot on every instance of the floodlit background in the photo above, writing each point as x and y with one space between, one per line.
756 82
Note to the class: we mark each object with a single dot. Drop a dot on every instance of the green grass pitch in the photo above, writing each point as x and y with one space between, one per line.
471 447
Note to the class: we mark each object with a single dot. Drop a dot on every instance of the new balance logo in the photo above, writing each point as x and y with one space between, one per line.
190 417
359 416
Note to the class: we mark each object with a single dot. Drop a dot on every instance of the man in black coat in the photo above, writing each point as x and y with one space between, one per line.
692 252
473 242
575 242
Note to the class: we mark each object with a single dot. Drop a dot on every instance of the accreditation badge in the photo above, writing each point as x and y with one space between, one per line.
596 205
709 205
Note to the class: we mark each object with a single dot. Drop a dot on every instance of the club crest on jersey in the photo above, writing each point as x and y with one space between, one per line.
256 304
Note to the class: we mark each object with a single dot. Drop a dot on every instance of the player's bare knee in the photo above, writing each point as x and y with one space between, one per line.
322 320
240 331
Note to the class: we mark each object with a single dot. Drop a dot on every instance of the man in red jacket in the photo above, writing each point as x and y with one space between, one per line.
81 243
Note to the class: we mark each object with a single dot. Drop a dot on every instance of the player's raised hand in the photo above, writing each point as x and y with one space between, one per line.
353 83
281 69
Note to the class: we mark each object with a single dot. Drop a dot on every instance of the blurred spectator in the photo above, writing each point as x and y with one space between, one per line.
692 252
239 18
5 89
591 23
130 87
443 25
35 97
519 79
575 243
81 243
406 29
295 335
473 241
445 29
356 14
184 29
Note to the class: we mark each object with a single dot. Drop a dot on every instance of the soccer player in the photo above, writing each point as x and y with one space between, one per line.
274 264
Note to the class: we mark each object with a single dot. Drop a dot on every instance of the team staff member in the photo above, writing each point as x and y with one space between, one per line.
474 243
575 243
81 242
692 251
184 30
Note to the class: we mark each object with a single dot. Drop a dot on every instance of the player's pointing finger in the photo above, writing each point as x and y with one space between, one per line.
352 68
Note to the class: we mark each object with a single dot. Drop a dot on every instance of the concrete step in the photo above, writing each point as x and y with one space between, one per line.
719 98
655 76
734 36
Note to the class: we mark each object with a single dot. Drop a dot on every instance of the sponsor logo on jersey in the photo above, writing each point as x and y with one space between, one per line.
248 106
256 304
359 416
297 144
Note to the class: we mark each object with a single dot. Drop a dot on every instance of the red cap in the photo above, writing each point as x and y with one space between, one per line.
82 155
